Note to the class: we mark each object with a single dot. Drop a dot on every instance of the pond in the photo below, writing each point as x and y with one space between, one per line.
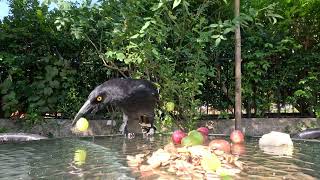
105 158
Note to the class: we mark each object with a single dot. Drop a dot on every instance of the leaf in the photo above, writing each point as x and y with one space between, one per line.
52 100
54 84
51 72
276 15
156 7
47 91
127 60
223 38
274 20
214 25
131 45
302 82
139 60
120 56
33 98
176 3
40 103
265 66
172 16
5 86
134 36
215 36
145 26
218 40
109 54
300 93
227 30
155 52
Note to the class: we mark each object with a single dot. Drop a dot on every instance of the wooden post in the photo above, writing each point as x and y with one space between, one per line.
237 68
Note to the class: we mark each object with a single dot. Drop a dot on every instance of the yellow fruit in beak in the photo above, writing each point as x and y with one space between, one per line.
82 124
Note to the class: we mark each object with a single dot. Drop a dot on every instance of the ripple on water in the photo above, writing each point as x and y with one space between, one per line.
105 158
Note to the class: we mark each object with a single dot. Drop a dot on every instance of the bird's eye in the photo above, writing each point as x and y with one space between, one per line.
99 98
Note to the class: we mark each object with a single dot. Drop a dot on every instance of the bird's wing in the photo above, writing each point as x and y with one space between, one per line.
143 91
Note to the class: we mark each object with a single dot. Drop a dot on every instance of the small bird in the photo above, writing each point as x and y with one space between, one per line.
136 98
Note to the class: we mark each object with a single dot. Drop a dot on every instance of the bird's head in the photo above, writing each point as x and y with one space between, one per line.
97 99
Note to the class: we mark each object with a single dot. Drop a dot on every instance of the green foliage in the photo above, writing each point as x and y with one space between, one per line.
3 130
51 60
160 41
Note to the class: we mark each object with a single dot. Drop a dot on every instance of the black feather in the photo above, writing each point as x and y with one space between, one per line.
136 98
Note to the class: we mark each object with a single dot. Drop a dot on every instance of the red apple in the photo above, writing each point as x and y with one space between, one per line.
220 144
203 130
237 136
177 136
238 149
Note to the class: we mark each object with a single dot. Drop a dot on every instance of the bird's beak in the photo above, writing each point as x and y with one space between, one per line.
86 108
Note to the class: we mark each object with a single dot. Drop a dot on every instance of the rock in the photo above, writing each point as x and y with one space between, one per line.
275 139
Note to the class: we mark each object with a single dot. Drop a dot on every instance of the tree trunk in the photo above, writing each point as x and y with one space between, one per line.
249 107
237 69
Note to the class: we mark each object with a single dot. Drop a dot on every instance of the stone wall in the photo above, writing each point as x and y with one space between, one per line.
260 126
252 126
59 128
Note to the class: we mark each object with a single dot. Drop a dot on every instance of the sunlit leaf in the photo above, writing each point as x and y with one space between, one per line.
134 36
156 7
214 25
120 56
145 26
217 42
227 30
176 3
215 36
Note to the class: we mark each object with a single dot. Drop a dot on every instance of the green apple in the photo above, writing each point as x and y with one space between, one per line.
187 141
170 106
197 137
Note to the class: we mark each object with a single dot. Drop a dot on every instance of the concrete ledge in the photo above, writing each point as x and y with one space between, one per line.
251 126
58 128
260 126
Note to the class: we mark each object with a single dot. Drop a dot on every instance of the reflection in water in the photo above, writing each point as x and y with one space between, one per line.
80 156
283 150
61 158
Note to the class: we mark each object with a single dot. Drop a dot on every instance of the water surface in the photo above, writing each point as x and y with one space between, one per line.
105 158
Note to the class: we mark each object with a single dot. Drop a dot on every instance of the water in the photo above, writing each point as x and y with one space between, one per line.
105 158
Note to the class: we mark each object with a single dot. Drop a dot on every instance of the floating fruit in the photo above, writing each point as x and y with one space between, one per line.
210 163
203 130
82 124
187 141
237 136
196 137
220 144
177 136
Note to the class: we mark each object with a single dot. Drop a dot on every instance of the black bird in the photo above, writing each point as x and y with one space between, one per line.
135 97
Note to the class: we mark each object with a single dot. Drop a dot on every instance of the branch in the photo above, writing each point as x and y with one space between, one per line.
112 66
